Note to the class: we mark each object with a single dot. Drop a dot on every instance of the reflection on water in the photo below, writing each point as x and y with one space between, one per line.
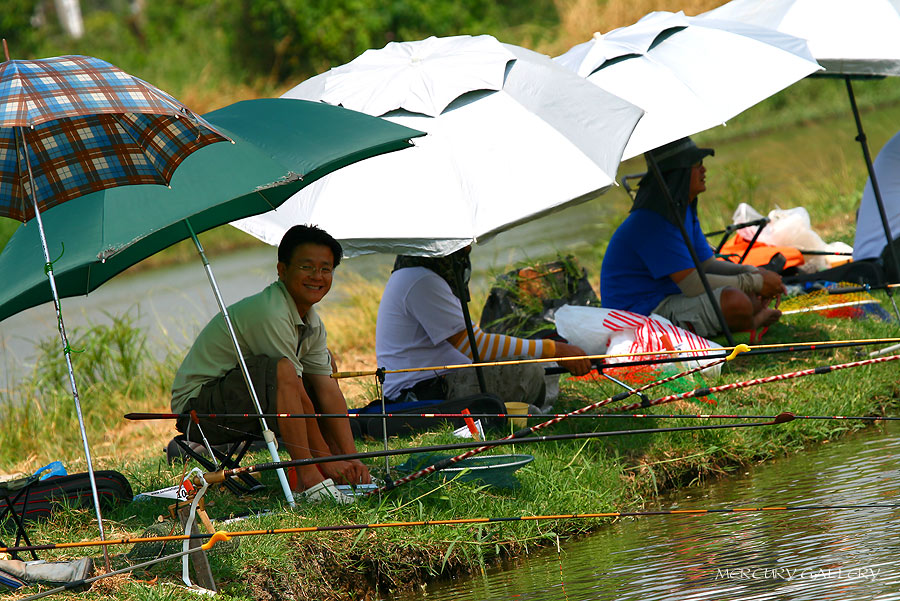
810 554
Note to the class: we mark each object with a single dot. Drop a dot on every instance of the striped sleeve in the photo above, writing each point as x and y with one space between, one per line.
494 347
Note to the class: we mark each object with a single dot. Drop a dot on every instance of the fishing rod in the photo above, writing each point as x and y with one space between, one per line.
756 350
862 288
621 396
832 306
520 437
822 369
445 463
700 392
153 416
445 522
660 356
213 539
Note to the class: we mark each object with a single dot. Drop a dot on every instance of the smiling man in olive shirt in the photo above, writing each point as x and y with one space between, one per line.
283 342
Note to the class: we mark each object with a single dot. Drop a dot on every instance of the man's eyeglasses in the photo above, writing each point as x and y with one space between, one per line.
312 270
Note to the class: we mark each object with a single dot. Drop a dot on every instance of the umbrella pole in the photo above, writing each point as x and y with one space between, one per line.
861 138
654 167
66 349
463 289
268 435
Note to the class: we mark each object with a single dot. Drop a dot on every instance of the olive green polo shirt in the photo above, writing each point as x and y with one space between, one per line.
266 323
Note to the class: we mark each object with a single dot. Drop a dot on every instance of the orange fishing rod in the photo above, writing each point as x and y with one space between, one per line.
225 535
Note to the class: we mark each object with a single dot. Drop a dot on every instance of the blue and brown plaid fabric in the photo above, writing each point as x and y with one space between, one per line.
87 126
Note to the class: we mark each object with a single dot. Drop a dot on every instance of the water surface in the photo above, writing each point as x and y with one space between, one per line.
809 555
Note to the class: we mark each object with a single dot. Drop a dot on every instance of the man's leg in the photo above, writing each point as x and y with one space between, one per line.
741 312
744 312
302 437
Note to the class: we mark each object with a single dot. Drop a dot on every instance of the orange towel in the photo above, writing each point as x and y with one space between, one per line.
761 253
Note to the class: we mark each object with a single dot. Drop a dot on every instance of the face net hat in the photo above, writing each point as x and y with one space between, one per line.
681 153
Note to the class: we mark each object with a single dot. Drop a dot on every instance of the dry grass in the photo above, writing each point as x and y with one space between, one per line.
579 19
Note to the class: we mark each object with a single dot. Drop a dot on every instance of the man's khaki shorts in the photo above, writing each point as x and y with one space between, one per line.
229 394
692 313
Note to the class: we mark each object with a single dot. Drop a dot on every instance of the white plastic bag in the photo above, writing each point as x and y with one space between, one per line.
789 227
616 332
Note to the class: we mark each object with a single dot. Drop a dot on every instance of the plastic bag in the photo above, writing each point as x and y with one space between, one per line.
793 228
616 332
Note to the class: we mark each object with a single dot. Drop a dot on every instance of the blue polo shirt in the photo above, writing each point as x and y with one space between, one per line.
641 255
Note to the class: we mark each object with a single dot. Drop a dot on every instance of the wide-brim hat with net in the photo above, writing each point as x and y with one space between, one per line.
679 154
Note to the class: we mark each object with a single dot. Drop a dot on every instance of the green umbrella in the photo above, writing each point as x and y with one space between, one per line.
281 145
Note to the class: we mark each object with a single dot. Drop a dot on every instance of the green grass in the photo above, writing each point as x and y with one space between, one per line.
566 477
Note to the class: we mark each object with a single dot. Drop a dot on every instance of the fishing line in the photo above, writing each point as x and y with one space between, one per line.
515 415
520 437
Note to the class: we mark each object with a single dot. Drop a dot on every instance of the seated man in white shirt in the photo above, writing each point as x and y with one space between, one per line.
420 324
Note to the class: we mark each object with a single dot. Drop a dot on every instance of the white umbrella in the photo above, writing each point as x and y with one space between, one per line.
688 74
420 77
491 159
850 39
861 37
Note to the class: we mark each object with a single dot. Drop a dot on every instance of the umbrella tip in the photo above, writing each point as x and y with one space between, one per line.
597 36
5 49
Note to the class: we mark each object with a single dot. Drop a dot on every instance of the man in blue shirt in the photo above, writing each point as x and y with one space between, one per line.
648 268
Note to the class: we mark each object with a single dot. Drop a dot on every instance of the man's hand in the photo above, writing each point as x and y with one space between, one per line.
577 367
772 284
347 472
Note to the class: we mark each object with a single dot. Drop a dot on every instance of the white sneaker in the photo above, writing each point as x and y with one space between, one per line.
326 491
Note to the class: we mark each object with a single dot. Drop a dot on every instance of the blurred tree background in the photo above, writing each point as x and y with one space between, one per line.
209 53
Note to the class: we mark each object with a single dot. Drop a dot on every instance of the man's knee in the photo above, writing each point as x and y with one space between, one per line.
737 308
287 377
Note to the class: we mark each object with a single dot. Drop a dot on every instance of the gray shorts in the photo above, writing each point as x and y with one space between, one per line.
520 383
692 313
229 394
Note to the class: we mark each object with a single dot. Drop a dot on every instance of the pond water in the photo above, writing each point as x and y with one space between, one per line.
813 554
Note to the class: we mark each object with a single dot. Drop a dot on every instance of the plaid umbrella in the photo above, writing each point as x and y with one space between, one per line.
72 125
86 126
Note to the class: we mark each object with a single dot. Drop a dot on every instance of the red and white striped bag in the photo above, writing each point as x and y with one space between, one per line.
617 332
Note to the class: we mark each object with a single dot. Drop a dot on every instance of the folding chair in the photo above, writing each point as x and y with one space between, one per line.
14 493
226 456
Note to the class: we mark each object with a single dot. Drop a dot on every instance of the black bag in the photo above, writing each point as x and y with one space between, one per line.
374 426
36 500
891 274
523 301
856 272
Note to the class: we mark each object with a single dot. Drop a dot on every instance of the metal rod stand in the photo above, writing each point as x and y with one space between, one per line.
463 289
861 138
65 342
